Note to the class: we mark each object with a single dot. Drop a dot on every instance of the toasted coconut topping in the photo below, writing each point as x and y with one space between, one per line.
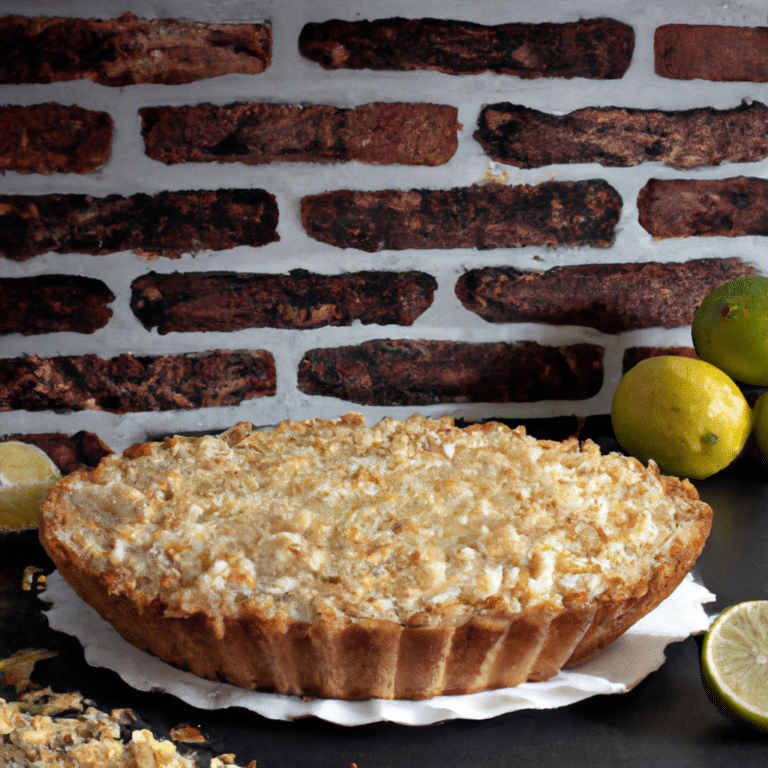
328 518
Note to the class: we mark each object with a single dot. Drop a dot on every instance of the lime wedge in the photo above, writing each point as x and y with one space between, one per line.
734 663
26 474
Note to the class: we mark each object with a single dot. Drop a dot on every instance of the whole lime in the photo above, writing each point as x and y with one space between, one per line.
685 414
730 329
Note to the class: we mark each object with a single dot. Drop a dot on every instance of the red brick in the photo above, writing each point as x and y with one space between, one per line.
68 452
570 213
711 52
167 224
732 207
424 372
634 355
51 303
229 301
379 133
610 297
591 48
51 138
128 50
133 384
611 136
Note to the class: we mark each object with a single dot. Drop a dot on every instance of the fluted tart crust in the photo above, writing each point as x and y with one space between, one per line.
402 560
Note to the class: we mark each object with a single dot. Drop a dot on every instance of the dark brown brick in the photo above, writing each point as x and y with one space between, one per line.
68 452
423 372
528 138
51 138
50 303
379 133
128 50
633 355
133 384
702 207
711 52
167 224
610 297
229 301
591 48
569 213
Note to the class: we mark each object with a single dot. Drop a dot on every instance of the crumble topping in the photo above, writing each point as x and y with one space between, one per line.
394 521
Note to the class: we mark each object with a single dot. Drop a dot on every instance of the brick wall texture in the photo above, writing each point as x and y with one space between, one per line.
377 235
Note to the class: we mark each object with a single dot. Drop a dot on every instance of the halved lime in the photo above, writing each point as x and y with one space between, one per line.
734 663
26 474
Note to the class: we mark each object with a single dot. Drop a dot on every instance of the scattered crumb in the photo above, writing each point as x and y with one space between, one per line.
29 577
31 737
187 733
496 178
16 670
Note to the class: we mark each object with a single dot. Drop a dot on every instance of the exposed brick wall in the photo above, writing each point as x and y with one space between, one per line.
527 253
409 134
704 208
128 50
129 384
423 372
634 355
529 138
227 301
68 452
48 303
712 52
609 297
482 216
594 48
167 224
52 138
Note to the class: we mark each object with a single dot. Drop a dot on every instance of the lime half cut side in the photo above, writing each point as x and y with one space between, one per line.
734 663
26 474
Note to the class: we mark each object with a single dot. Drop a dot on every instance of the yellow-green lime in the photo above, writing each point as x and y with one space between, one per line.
26 474
730 329
734 663
685 414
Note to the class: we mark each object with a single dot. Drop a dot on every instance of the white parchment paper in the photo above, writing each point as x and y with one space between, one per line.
616 670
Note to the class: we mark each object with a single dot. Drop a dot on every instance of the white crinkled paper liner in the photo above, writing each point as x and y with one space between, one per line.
622 665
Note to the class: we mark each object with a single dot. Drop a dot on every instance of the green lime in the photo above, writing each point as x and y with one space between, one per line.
734 663
685 414
26 474
730 329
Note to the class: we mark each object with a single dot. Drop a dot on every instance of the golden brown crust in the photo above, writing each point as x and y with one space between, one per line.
377 659
359 657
